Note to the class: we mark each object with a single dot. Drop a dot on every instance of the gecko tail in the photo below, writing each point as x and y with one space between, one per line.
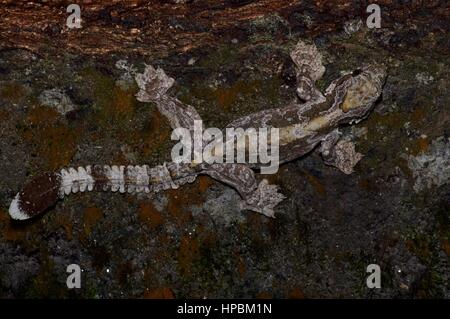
38 195
43 191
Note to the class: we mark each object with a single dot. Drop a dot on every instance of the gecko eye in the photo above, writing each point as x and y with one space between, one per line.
357 72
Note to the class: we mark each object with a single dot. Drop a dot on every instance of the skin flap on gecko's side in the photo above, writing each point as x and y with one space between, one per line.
313 119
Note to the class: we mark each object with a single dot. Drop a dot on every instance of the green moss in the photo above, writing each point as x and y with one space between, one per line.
421 246
90 291
122 118
219 106
46 284
264 29
219 58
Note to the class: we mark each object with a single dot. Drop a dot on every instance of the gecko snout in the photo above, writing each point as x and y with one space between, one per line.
375 73
364 87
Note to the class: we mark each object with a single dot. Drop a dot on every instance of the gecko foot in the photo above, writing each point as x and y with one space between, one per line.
342 156
263 199
153 84
308 61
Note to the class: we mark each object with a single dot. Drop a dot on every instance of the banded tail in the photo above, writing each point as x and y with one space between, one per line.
45 190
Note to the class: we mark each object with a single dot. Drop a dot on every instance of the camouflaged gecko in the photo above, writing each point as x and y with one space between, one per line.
302 126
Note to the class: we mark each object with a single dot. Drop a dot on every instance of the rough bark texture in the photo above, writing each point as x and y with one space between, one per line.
230 58
161 28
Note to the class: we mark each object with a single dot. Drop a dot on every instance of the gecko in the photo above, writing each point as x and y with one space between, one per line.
310 121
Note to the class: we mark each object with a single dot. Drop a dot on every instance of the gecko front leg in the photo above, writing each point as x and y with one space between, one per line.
309 69
339 153
153 85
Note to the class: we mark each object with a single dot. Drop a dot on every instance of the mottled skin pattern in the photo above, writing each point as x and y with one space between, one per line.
302 126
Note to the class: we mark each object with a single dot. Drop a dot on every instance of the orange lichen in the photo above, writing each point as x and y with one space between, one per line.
58 145
124 101
403 165
42 115
208 239
150 215
12 92
226 97
296 293
66 223
123 272
241 266
204 182
4 115
254 221
90 218
366 184
420 247
121 159
188 253
113 106
446 246
418 146
9 232
423 144
188 195
50 138
397 121
392 120
176 207
418 115
159 293
163 254
157 134
264 295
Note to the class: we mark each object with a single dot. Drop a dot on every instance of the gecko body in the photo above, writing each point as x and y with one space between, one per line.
303 125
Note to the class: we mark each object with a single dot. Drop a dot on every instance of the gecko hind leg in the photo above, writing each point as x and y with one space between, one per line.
261 198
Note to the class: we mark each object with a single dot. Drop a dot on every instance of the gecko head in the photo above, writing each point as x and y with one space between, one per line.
361 90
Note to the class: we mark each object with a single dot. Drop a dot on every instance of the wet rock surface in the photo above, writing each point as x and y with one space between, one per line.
229 58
